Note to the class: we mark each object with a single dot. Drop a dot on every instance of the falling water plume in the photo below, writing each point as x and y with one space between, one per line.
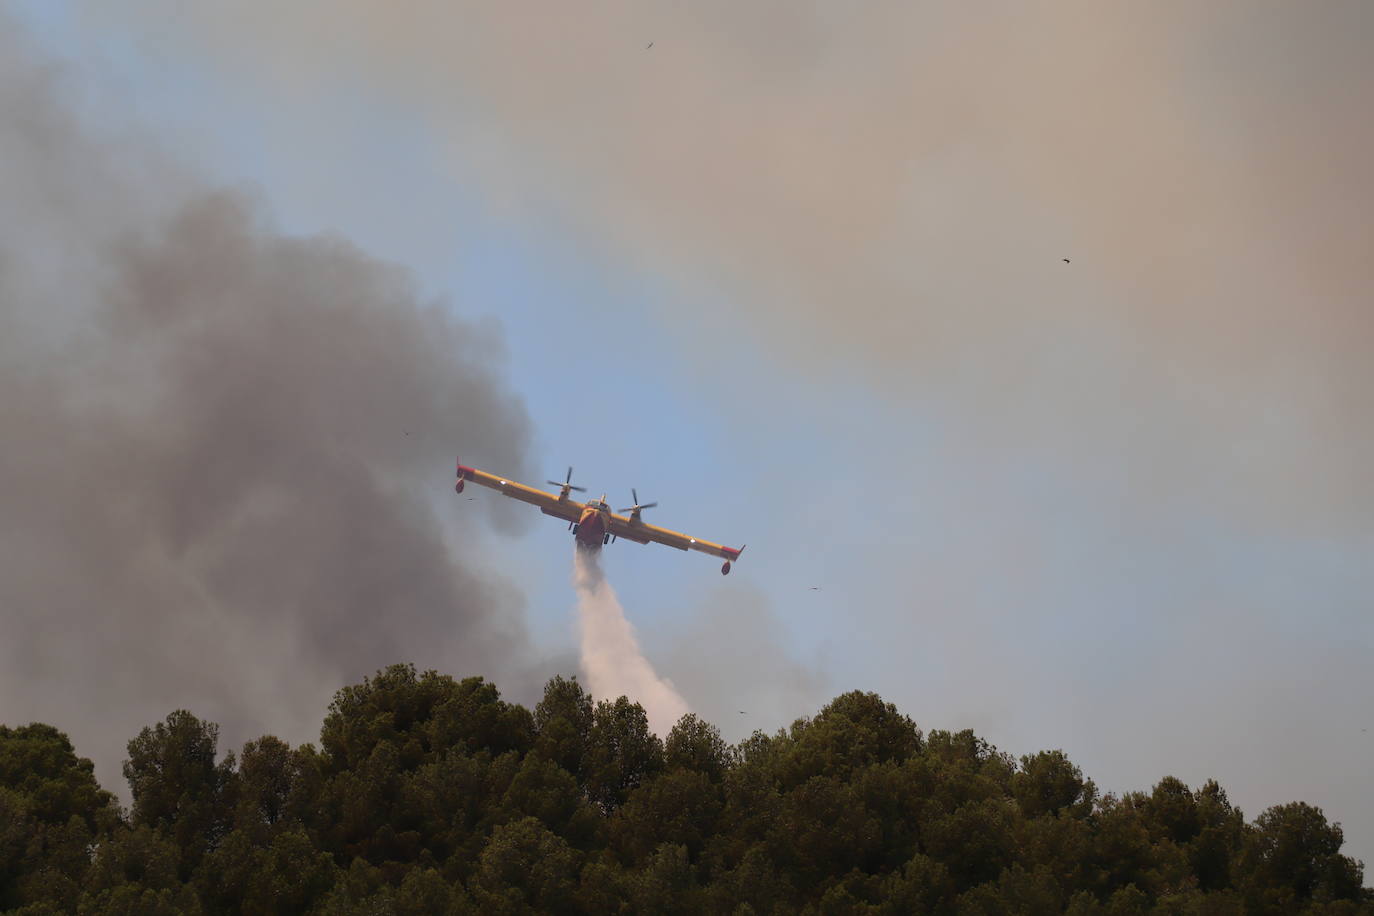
612 661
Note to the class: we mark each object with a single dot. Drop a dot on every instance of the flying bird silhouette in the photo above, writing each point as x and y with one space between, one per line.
1066 260
648 46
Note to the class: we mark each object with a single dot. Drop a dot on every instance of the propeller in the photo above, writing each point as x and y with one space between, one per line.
567 484
637 507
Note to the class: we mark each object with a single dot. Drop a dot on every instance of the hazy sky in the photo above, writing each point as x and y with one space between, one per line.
795 272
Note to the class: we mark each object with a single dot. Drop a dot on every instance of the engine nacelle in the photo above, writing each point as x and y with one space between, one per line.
725 568
458 487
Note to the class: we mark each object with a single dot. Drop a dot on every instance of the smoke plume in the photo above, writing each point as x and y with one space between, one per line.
612 661
221 450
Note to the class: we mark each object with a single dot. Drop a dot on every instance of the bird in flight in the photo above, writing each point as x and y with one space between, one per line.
648 46
815 588
1066 260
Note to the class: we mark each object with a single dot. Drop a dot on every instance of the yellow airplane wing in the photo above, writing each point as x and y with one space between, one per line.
631 529
548 503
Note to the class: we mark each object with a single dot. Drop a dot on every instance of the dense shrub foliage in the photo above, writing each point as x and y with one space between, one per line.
432 795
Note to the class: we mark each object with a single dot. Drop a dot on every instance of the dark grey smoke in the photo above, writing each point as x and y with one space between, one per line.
225 453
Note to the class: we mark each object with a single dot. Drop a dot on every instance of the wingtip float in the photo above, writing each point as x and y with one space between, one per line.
593 523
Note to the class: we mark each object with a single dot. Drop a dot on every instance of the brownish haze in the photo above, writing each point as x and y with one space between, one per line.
893 187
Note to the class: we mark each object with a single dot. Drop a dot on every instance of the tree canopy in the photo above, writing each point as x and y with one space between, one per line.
429 794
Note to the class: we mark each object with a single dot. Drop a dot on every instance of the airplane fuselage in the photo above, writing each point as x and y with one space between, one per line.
591 529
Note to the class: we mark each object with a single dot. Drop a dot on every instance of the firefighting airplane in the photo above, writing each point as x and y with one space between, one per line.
592 523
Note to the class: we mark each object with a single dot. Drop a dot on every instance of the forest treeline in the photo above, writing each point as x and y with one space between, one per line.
430 795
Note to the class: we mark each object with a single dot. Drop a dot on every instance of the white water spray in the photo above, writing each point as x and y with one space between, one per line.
612 661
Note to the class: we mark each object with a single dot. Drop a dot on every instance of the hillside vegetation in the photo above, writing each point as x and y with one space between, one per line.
428 794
